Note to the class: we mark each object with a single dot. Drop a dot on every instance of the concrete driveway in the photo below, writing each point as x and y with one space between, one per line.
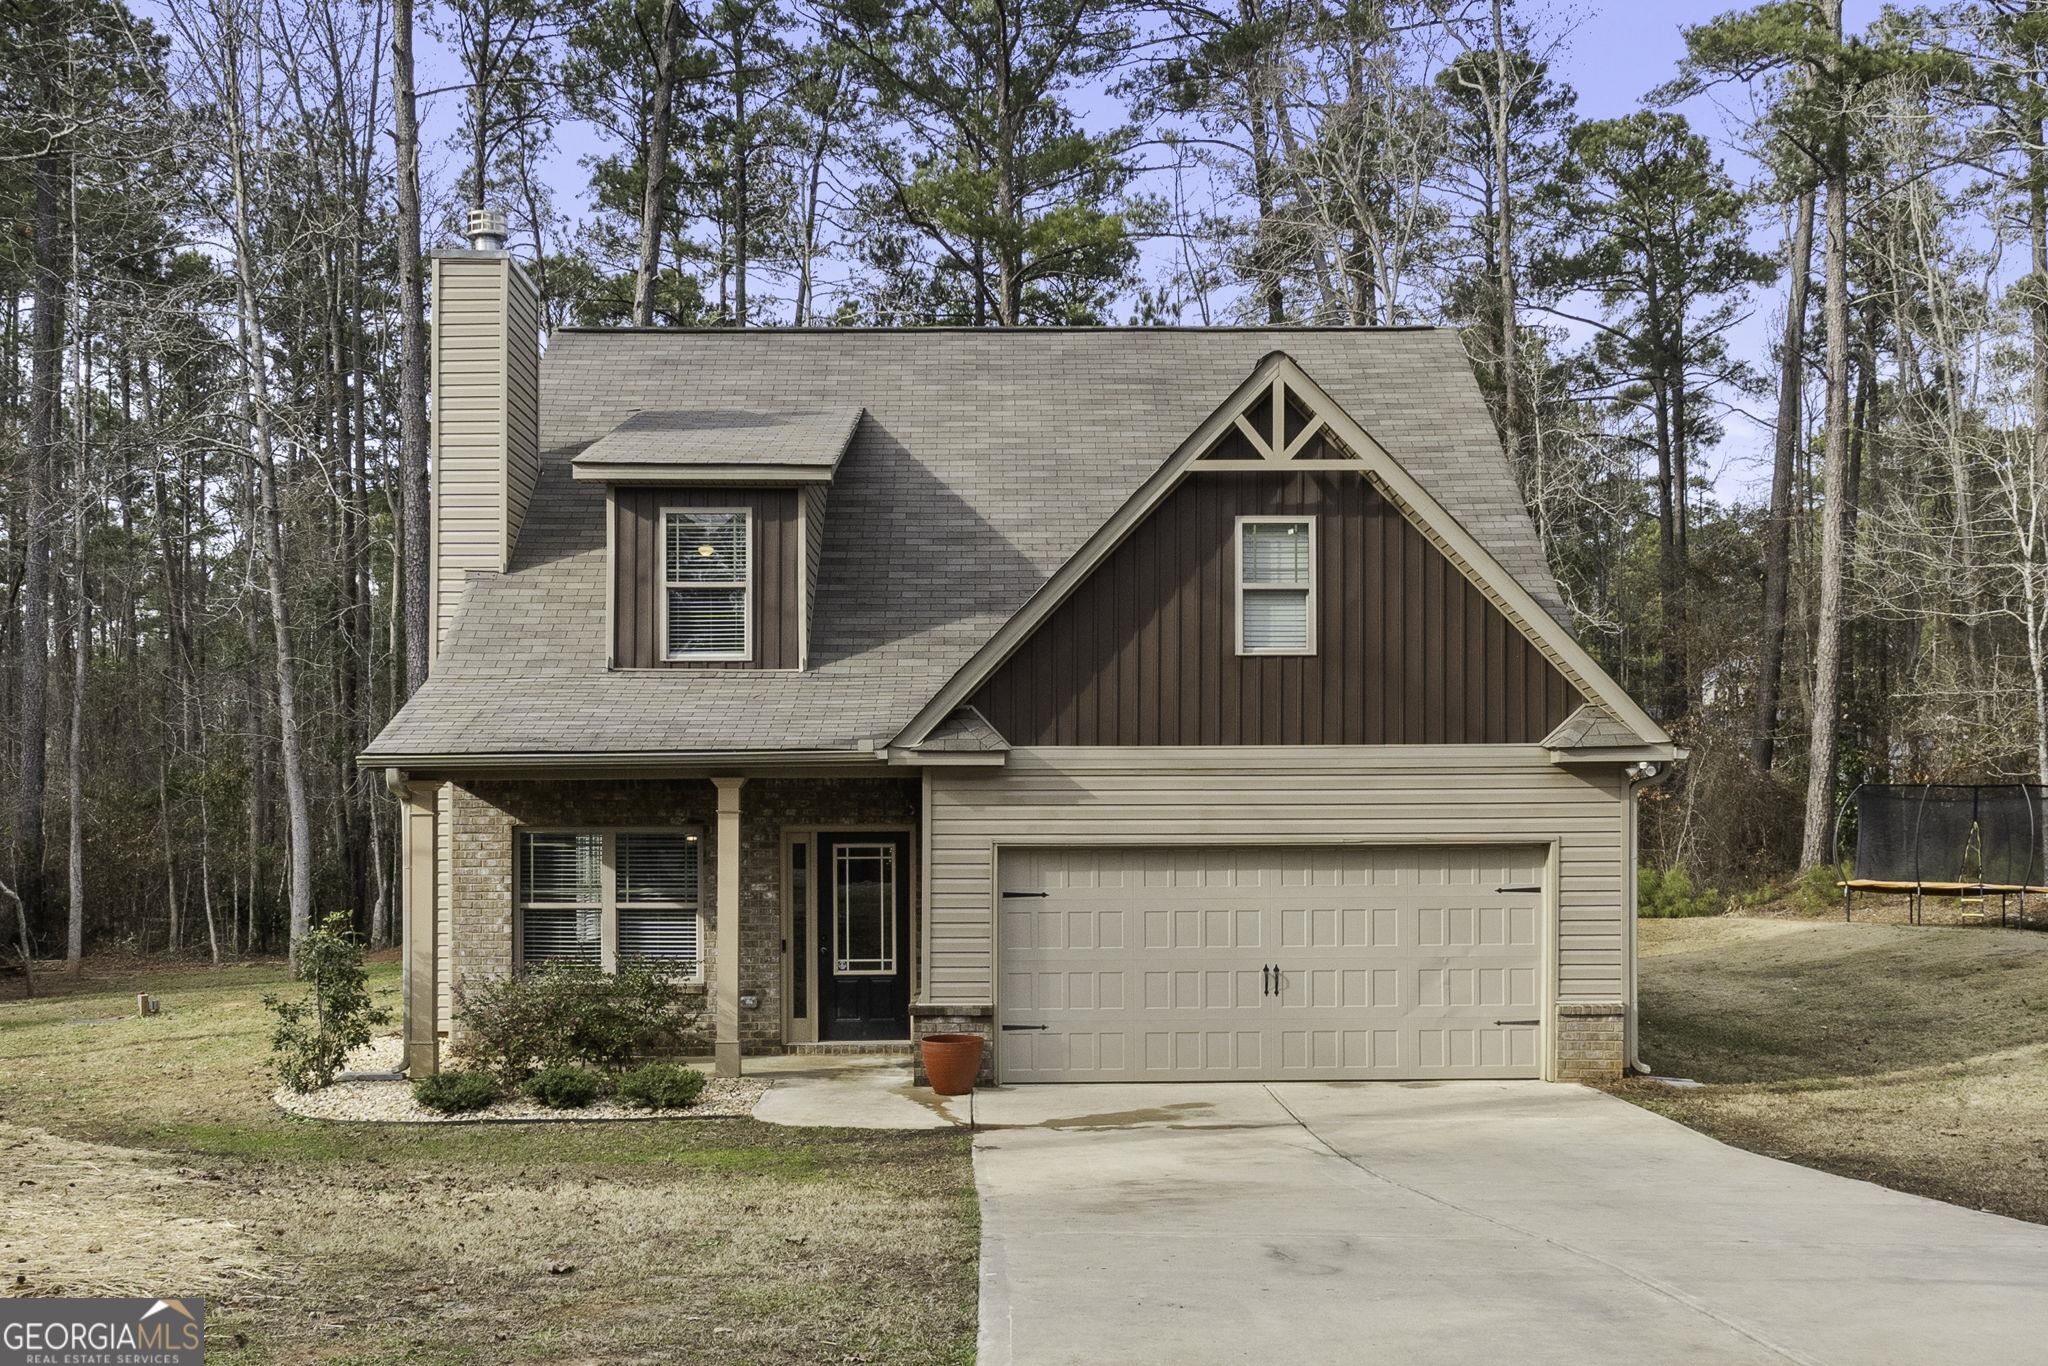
1459 1222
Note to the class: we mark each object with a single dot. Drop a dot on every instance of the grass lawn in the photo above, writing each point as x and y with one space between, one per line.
1916 1057
153 1162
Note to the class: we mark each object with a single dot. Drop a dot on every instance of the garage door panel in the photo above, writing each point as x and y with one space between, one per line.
1151 964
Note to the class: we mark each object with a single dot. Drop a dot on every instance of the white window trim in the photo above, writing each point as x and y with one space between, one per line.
890 889
745 585
1314 561
608 891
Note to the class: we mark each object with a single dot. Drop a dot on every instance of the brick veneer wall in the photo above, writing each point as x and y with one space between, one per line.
955 1019
1591 1040
484 815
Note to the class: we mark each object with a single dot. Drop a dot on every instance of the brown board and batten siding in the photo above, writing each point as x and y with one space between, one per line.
1216 797
1144 652
637 555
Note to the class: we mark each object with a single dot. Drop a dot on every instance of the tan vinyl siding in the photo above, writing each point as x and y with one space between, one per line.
486 419
1490 795
522 402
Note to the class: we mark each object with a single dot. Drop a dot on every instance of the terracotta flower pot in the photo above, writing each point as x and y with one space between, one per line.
952 1061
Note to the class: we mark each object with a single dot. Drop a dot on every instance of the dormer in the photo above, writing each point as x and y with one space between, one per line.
716 520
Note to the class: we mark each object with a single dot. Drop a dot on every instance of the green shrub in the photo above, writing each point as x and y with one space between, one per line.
1814 891
661 1086
456 1093
565 1088
315 1035
1668 894
569 1014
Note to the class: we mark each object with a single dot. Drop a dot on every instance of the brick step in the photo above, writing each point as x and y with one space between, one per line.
854 1048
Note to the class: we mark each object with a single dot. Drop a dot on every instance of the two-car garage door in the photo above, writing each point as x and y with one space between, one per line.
1243 964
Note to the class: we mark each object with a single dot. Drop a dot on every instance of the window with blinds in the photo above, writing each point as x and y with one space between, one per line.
1276 585
707 602
657 897
603 897
561 898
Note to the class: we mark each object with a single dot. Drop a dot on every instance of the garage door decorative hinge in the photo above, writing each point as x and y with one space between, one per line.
1499 890
1017 1029
1008 895
1518 1022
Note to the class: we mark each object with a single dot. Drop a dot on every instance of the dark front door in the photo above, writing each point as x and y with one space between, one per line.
863 927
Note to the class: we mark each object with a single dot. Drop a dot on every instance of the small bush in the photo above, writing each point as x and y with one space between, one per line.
1668 894
569 1014
565 1088
661 1086
456 1093
1814 891
314 1036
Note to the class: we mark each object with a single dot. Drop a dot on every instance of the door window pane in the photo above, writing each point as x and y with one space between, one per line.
864 909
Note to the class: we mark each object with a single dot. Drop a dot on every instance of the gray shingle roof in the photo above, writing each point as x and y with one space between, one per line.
1592 727
983 461
965 731
808 435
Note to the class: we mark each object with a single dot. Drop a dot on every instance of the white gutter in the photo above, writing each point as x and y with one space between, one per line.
1637 776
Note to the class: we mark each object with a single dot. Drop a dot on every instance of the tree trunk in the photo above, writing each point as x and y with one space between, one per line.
2037 241
269 528
1778 539
742 154
654 177
74 762
46 361
1511 435
1823 740
416 500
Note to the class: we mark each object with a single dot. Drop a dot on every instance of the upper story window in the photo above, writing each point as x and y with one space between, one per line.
1276 585
708 596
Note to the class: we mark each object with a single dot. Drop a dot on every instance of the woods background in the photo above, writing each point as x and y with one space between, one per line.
213 407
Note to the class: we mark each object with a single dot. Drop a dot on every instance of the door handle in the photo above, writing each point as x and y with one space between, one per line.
1266 979
1279 981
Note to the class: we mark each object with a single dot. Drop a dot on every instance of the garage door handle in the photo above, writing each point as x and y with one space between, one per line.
1518 1022
1016 1029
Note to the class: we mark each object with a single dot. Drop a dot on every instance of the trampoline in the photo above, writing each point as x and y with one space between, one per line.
1966 840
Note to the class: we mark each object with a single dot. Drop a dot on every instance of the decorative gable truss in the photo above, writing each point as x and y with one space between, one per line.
1279 425
1281 419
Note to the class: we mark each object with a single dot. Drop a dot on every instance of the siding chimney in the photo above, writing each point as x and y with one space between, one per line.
486 410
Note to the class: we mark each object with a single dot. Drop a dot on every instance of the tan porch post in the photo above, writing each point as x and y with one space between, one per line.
417 920
725 990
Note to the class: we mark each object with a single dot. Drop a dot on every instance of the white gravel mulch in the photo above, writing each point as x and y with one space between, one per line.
391 1102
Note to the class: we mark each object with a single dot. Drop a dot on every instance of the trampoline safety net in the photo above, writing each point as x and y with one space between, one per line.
1938 832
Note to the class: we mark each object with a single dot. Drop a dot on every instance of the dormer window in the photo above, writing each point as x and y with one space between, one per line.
707 603
1276 585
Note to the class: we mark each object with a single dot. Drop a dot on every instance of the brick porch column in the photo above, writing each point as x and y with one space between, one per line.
725 990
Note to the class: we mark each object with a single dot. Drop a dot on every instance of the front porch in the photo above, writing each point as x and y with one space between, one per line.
795 904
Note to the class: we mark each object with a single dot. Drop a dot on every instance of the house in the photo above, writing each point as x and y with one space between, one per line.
1159 703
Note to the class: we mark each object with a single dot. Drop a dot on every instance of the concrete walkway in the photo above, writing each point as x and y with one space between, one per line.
1408 1225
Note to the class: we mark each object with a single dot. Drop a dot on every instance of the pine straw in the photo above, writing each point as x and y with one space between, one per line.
92 1220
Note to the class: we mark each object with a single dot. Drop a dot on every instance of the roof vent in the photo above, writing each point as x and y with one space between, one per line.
487 229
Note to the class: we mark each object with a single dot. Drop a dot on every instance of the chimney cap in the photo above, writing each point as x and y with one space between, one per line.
487 229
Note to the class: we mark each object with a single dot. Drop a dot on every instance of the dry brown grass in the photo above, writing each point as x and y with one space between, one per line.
1916 1057
717 1240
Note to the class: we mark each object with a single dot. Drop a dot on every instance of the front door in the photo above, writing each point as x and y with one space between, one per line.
863 933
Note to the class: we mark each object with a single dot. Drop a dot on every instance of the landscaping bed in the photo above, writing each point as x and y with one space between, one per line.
1912 1056
392 1102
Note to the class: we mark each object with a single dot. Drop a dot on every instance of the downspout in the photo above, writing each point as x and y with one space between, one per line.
1639 776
